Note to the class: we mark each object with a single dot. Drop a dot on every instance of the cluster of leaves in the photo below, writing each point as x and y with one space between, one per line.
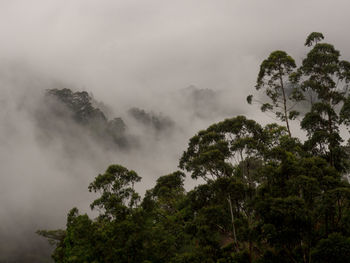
266 197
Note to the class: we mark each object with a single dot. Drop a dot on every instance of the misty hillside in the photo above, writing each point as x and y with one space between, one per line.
67 113
154 121
126 136
205 102
65 108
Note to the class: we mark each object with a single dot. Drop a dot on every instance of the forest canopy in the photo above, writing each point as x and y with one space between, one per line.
267 195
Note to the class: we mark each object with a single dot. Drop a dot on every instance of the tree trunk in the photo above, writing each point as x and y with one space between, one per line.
331 157
233 223
284 103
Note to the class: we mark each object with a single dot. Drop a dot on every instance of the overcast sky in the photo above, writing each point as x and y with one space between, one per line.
114 46
130 53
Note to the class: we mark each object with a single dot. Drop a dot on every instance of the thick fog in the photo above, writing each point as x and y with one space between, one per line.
191 62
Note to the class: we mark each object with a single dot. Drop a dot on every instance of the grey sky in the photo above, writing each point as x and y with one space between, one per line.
111 46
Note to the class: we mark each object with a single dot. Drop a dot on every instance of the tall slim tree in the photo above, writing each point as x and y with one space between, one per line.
273 80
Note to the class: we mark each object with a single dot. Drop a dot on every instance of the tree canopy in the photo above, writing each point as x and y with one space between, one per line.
266 196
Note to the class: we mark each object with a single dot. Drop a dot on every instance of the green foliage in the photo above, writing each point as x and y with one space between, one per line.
323 74
116 186
313 37
334 249
55 237
213 152
265 197
272 78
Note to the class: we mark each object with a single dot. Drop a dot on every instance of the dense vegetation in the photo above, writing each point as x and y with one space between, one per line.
267 196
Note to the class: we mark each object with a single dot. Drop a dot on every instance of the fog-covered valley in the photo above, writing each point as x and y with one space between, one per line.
85 84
